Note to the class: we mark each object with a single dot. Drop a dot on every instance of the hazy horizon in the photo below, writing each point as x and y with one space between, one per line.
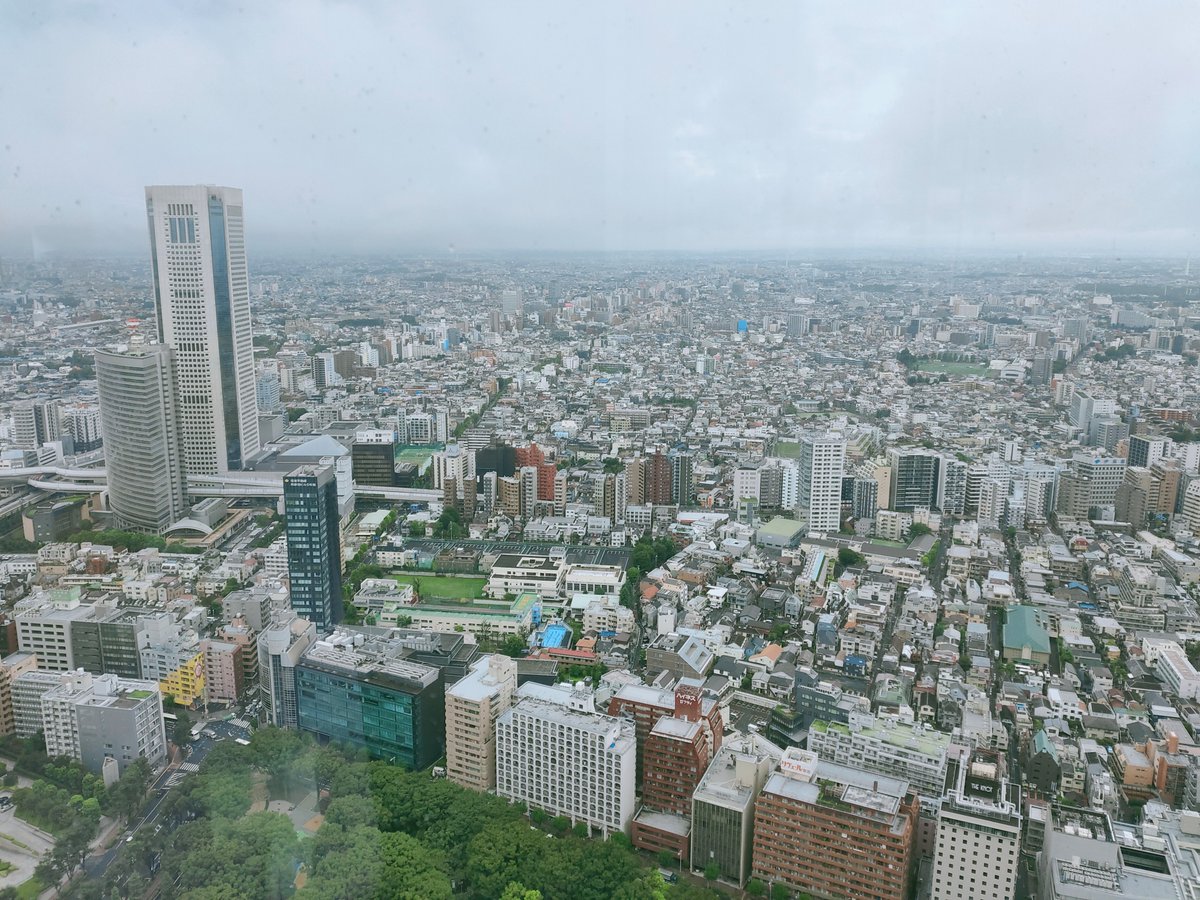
367 129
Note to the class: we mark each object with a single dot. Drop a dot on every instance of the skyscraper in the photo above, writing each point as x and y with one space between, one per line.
821 463
202 303
140 419
314 544
658 480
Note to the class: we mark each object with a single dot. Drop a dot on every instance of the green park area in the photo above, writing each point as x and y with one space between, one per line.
444 587
379 831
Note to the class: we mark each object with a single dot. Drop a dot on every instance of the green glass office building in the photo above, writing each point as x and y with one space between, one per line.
393 708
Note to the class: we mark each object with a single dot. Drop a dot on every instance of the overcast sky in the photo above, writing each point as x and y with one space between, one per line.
366 127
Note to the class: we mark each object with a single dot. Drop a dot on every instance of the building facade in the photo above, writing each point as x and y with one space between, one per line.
473 706
202 305
723 805
314 544
912 753
139 406
554 752
93 718
281 645
357 691
834 831
822 461
978 834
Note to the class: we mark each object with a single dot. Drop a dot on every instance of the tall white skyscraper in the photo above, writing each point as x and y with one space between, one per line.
822 463
202 301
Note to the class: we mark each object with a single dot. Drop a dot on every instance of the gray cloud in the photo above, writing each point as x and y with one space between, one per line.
381 126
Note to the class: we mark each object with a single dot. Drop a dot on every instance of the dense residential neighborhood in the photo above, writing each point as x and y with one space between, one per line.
721 563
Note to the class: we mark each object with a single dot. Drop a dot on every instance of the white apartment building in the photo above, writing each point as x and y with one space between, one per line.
1178 673
600 616
473 705
44 627
27 691
202 305
456 462
746 484
556 753
821 464
94 718
978 835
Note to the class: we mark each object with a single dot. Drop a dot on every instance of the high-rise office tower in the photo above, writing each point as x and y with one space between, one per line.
202 302
36 422
324 374
1041 369
140 418
513 302
822 461
1089 486
314 544
1078 329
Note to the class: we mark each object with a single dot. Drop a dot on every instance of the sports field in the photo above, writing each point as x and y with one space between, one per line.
443 587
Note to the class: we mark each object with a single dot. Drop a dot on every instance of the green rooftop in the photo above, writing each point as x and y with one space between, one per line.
1024 630
781 528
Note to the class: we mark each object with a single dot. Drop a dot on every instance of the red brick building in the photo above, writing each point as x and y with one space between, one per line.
834 831
678 733
532 455
646 705
658 480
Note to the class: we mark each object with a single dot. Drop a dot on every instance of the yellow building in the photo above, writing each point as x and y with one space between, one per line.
185 684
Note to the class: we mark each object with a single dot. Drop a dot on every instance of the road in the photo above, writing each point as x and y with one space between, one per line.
96 866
